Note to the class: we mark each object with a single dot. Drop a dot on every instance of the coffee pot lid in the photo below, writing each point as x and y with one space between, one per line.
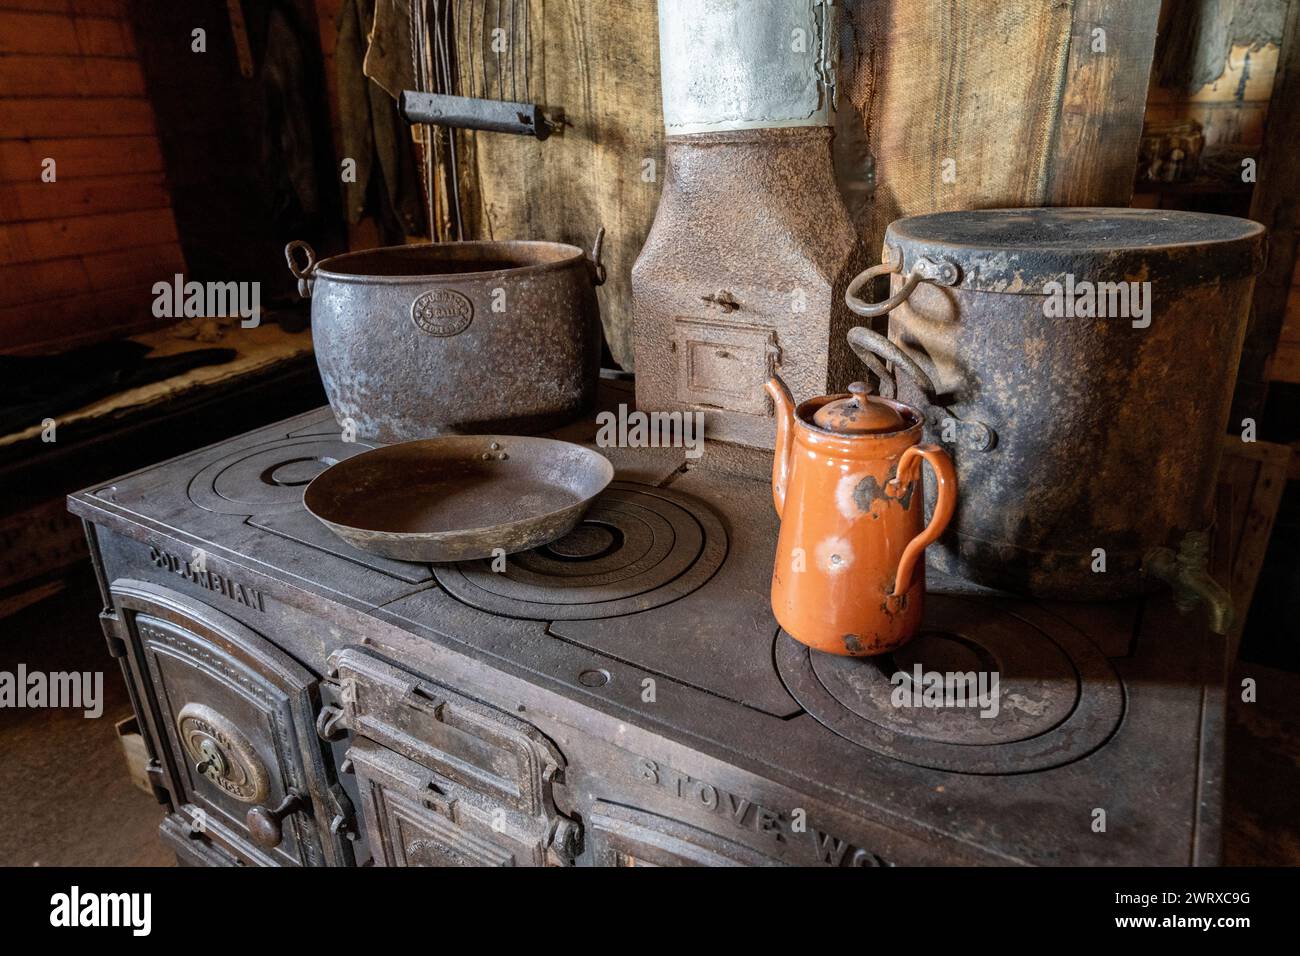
859 414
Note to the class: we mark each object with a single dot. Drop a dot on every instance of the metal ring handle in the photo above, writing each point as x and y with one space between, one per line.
304 275
593 259
871 310
869 345
888 387
289 251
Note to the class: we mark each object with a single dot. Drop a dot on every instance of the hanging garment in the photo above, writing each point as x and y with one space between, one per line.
387 184
287 143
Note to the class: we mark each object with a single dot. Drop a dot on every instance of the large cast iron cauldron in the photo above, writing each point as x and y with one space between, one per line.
1085 444
476 337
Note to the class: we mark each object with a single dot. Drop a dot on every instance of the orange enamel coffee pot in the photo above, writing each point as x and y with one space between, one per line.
849 577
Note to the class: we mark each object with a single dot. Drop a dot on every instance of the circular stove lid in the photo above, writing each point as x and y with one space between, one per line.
637 548
268 479
982 689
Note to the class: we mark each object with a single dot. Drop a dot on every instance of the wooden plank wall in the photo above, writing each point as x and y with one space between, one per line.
1010 90
992 103
1285 364
78 256
1232 109
599 63
1253 479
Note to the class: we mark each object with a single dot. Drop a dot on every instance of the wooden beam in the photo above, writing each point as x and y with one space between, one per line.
1099 121
1254 475
1274 203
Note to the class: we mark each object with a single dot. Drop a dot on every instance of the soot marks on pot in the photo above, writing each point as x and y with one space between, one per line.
853 644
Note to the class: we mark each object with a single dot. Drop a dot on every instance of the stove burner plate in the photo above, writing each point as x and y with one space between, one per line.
268 479
1058 697
638 548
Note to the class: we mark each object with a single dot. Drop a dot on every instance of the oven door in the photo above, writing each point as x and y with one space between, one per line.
233 720
445 779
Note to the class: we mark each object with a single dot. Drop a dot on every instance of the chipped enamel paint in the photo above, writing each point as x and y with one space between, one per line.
846 495
834 555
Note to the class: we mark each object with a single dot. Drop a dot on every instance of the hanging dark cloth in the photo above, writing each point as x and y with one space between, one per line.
387 184
286 140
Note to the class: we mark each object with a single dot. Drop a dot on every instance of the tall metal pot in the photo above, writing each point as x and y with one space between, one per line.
1086 445
473 337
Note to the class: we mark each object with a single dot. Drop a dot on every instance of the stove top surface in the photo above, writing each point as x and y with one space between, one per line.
1096 706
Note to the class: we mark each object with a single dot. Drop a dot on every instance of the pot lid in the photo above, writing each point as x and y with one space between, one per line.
1021 250
859 414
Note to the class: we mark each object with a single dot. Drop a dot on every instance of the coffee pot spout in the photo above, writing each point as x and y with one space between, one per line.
784 402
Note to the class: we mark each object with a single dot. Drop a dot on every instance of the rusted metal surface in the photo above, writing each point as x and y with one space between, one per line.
1081 442
467 337
743 274
636 549
1018 251
1187 572
679 732
457 498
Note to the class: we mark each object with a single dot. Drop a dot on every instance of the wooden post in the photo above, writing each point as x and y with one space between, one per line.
1274 204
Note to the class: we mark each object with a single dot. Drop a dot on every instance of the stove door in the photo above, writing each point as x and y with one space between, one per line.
447 780
233 718
724 364
414 817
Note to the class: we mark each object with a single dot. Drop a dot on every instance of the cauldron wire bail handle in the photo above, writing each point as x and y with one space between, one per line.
303 275
909 470
870 346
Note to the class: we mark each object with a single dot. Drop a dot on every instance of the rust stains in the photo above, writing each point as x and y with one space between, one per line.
870 490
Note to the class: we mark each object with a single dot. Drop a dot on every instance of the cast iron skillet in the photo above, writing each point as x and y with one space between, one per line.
456 498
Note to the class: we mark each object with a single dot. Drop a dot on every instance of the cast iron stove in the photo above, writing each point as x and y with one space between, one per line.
651 708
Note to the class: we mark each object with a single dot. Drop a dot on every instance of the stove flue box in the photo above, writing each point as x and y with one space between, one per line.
745 268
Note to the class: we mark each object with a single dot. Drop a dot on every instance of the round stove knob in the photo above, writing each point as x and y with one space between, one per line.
266 826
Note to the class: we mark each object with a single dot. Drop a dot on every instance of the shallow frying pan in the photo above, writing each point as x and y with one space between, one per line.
456 498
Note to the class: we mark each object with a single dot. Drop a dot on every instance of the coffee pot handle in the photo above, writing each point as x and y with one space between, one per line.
909 470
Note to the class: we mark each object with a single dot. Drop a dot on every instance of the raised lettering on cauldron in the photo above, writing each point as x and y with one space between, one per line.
442 312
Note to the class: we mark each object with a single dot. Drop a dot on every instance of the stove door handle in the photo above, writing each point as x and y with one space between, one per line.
266 825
